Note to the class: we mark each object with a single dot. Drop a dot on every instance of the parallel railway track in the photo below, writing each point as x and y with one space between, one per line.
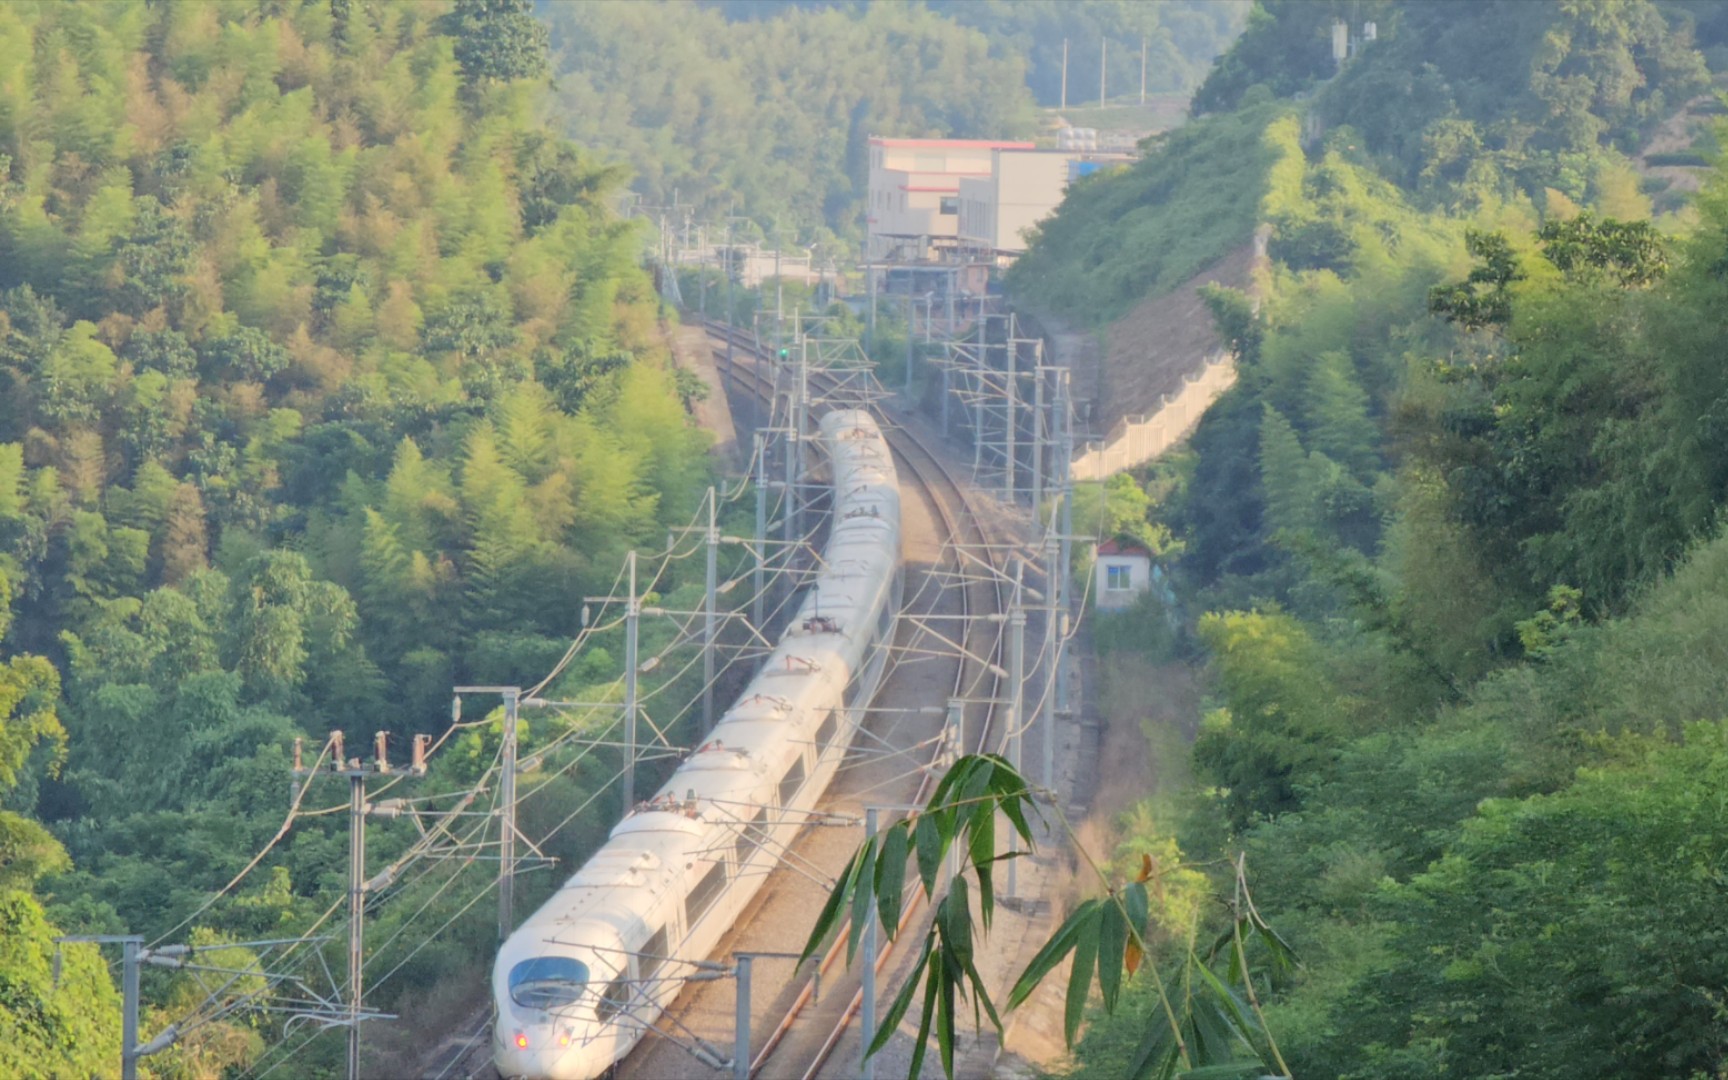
961 520
805 1034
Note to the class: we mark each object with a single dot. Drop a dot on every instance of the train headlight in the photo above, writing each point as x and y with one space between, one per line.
563 1038
521 1040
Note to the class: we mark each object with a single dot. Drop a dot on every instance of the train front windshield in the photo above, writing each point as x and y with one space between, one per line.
548 982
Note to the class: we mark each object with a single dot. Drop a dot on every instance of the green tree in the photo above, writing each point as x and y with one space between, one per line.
497 40
1280 719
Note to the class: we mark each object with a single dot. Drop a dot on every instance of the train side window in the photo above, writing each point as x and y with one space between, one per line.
708 889
613 1000
792 781
749 836
653 954
825 733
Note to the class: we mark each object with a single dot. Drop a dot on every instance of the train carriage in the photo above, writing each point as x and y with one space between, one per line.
581 980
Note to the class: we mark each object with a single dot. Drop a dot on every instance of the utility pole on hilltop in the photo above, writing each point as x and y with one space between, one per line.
1142 69
1103 66
357 772
1064 74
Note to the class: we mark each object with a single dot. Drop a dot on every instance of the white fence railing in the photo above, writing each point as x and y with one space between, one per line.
1135 440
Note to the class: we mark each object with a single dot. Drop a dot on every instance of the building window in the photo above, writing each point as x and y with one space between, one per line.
1117 579
950 204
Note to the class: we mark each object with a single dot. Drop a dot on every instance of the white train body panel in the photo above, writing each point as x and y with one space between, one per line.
577 985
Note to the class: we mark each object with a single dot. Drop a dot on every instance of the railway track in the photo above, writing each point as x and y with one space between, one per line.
827 1023
806 1028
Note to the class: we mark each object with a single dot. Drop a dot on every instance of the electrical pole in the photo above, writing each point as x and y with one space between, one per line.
1010 403
779 315
870 282
134 955
1039 427
506 811
731 312
1142 69
789 520
757 582
357 772
911 320
867 1010
132 945
1103 66
1065 477
507 824
1016 702
1052 651
1064 73
978 402
709 618
741 1019
632 620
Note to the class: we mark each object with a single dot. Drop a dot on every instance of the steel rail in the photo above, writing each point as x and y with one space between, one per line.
943 490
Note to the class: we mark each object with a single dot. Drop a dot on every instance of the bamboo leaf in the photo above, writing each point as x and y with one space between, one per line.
1112 944
931 847
830 915
981 851
891 878
1080 981
931 978
1061 943
1157 1055
902 1000
945 1025
954 918
861 896
1134 898
1284 958
1131 956
1223 1072
981 998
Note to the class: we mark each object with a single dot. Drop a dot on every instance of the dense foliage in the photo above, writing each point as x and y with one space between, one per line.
327 380
1195 195
1450 552
1459 101
763 109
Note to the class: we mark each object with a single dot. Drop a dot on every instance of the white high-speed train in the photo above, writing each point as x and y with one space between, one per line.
578 984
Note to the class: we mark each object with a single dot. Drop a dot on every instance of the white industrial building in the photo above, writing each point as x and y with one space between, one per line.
944 212
915 191
1021 188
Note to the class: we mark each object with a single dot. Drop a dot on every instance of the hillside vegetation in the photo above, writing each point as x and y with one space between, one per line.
763 108
328 380
1449 555
1144 229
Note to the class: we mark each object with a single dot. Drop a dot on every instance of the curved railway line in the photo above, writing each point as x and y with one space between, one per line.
806 1025
958 518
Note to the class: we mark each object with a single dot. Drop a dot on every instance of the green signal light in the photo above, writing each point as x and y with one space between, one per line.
784 353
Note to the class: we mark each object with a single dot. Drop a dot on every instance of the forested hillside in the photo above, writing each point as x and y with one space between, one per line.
1448 560
328 380
762 108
